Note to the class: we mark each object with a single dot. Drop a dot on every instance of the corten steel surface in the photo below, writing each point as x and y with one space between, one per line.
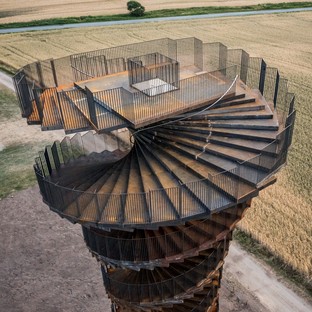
207 129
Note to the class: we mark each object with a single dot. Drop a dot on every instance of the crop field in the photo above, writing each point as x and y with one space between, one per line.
24 10
281 216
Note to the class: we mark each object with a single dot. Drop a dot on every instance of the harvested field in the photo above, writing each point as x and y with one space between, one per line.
281 216
24 11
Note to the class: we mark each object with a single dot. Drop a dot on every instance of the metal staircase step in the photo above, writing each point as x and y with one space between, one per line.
135 206
73 119
204 171
166 199
199 190
256 135
114 207
239 143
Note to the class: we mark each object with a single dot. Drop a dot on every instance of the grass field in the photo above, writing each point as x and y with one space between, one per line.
157 14
18 146
281 217
15 159
24 10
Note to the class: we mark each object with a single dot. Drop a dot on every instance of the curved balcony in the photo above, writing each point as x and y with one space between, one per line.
148 248
176 282
198 302
205 144
209 126
159 181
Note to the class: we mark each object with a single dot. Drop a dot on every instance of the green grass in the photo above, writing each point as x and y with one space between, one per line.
16 172
9 108
16 160
158 13
254 247
7 69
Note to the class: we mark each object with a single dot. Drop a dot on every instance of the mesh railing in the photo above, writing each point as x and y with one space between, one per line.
111 207
138 107
188 52
148 207
166 288
150 250
94 106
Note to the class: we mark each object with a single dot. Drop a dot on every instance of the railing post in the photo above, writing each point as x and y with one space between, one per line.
209 201
276 89
98 212
105 64
238 169
180 201
244 66
39 73
129 294
54 73
149 206
119 249
262 76
38 104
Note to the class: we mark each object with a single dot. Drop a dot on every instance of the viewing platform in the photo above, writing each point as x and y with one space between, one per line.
177 138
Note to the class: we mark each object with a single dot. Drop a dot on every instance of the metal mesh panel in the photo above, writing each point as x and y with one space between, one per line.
88 66
235 57
186 52
198 53
214 56
24 93
46 68
153 66
31 71
253 74
164 46
270 84
64 72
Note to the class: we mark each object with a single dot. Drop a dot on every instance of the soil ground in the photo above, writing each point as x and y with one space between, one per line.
45 265
25 10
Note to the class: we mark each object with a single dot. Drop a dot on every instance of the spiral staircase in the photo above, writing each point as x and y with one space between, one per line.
173 159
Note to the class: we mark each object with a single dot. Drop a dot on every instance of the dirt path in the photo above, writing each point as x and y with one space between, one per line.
262 282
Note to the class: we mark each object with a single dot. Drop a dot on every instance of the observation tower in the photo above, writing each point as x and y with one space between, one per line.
170 141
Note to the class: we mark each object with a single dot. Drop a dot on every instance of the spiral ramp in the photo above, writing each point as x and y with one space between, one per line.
167 255
158 201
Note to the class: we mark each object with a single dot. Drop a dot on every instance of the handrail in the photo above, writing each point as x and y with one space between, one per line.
52 191
252 71
170 287
211 176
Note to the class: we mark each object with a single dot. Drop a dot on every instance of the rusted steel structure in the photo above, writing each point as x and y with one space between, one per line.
206 127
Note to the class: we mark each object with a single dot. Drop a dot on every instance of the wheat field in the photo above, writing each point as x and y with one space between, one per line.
281 216
25 10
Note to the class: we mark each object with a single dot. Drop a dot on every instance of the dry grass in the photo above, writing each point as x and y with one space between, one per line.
24 10
281 216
